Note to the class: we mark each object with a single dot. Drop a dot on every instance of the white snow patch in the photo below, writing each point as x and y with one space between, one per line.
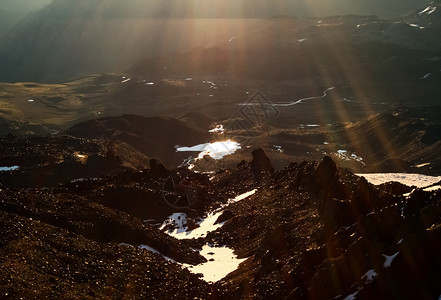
215 150
343 154
428 10
389 259
218 129
31 100
416 26
221 262
301 40
425 76
351 296
433 188
205 226
231 39
209 82
422 165
178 220
242 196
5 169
278 148
126 80
369 276
418 180
150 83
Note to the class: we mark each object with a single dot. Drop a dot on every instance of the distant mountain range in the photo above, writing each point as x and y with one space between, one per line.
13 11
72 38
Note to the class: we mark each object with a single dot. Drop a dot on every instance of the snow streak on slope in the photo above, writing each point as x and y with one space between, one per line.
206 225
220 260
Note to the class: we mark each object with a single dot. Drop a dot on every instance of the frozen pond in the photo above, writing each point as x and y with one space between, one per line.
215 150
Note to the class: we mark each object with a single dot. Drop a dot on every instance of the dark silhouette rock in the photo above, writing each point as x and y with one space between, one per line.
157 167
383 226
226 215
326 171
431 215
336 213
418 200
191 224
365 199
261 164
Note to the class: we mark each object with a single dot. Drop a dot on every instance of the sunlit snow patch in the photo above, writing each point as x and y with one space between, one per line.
126 80
422 165
215 150
417 180
218 129
221 262
433 188
415 25
5 169
178 220
241 197
428 10
343 154
206 225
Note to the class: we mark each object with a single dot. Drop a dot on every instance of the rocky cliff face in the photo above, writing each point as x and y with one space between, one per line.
310 231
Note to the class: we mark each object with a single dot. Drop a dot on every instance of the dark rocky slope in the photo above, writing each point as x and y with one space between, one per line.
142 133
403 139
315 231
43 261
48 161
311 231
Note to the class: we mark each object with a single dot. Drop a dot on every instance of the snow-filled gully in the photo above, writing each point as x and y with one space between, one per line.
220 260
